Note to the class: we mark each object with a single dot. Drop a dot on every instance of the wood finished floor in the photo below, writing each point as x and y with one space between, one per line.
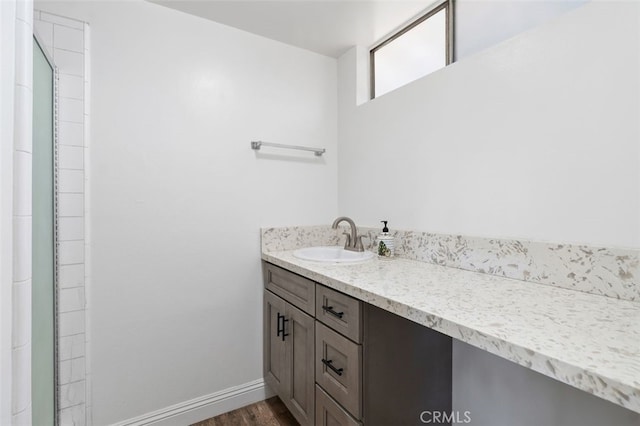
271 412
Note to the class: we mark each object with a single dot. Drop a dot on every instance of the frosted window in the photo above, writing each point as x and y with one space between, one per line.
419 51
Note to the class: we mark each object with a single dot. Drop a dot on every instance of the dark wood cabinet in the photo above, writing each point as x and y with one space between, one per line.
274 352
339 368
407 370
288 356
330 413
335 360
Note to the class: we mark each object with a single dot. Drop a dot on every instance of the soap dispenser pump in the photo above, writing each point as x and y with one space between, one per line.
386 244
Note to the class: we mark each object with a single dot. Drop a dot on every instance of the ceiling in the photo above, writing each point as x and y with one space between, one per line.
328 27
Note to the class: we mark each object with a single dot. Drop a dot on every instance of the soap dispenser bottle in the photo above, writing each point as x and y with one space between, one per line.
386 244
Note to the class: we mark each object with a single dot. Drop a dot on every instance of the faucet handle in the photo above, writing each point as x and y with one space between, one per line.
358 245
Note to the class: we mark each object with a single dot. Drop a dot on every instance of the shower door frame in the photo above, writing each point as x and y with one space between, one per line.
56 262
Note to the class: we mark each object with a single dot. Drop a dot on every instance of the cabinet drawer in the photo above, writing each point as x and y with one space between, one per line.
329 413
341 312
293 288
338 368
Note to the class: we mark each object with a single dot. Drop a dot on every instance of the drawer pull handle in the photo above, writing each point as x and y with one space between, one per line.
283 324
329 363
329 310
280 328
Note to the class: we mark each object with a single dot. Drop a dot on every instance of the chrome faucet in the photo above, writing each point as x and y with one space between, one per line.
354 241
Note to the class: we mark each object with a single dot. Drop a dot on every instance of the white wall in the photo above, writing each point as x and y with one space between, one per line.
501 144
178 196
480 24
497 392
535 138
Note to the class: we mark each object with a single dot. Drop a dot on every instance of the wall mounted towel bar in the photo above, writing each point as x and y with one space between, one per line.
257 144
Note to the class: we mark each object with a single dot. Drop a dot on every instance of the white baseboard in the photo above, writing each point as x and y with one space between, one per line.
204 407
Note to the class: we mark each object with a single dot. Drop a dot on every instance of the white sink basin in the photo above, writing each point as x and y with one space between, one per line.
334 254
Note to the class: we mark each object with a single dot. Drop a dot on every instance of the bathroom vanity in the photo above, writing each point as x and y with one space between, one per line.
336 360
579 338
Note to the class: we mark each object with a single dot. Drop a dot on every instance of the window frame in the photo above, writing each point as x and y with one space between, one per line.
448 7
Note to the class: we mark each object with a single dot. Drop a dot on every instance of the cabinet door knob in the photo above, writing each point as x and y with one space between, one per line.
329 310
329 364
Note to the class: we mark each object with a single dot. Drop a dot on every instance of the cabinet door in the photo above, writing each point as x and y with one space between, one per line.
300 352
275 348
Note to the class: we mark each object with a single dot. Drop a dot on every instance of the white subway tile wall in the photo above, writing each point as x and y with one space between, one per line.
66 39
22 418
55 19
70 205
72 86
24 57
72 394
44 31
22 368
21 288
70 134
71 347
21 317
70 157
21 248
23 11
22 184
71 323
70 181
74 415
70 228
71 371
70 252
71 299
70 276
23 120
72 62
71 109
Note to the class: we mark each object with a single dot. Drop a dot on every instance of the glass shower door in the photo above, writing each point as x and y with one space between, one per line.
43 254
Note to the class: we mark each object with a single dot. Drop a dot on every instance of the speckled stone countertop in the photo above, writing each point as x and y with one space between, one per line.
588 341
